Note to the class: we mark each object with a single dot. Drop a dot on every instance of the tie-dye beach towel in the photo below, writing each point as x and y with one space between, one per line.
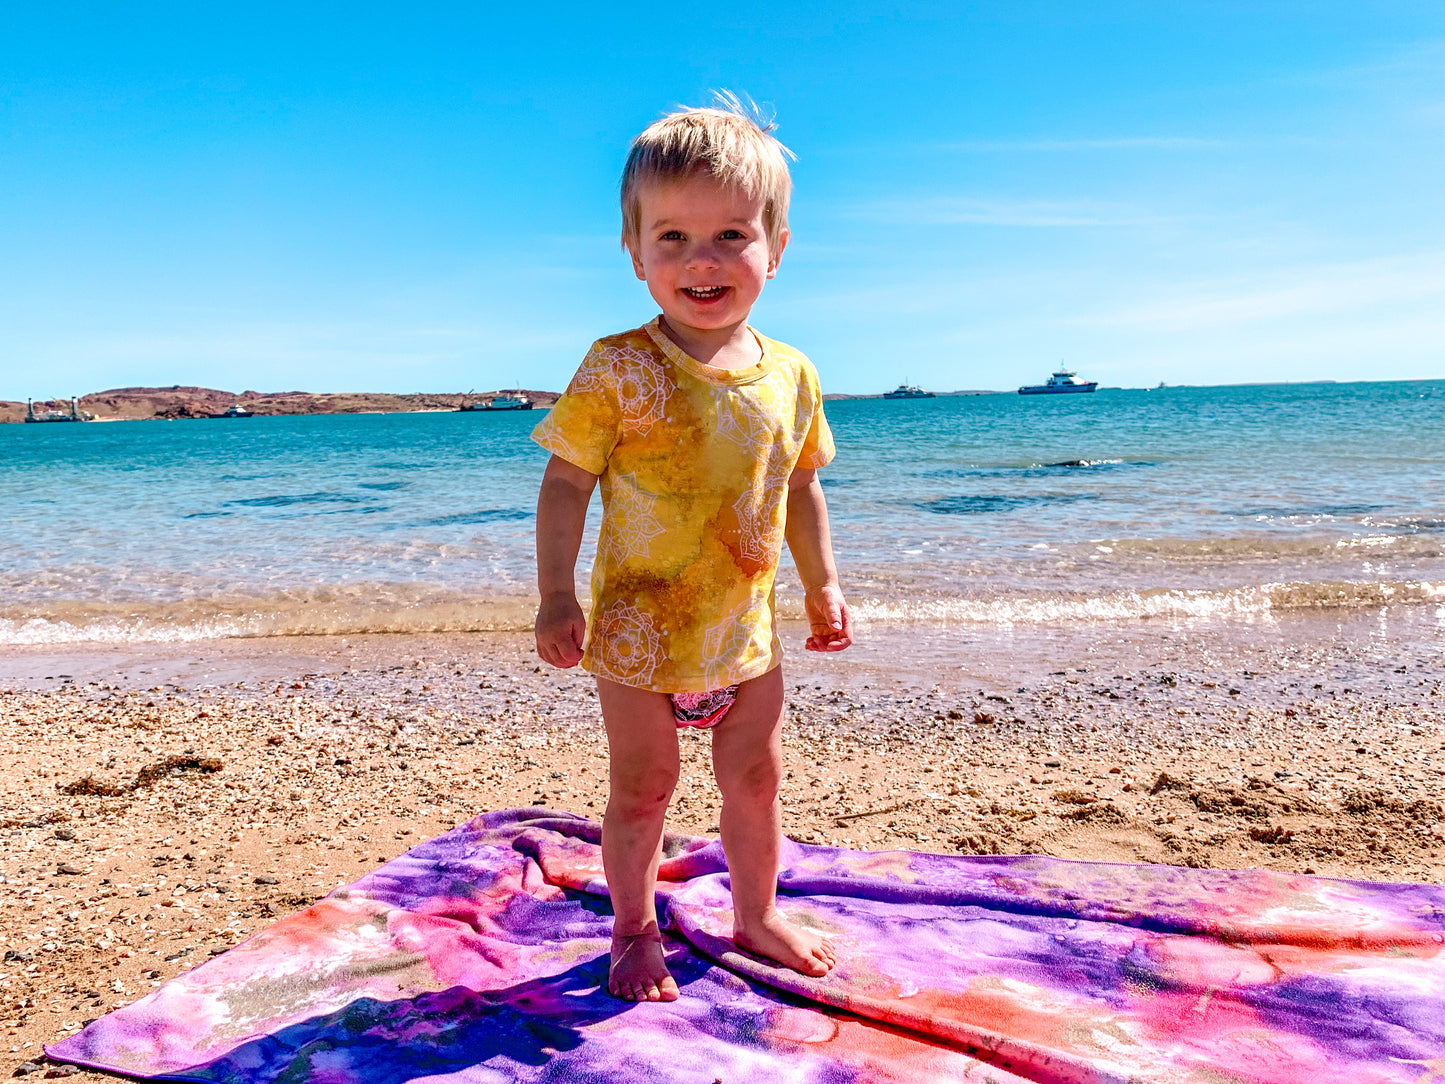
481 957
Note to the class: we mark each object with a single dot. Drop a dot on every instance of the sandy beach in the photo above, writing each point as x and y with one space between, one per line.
159 803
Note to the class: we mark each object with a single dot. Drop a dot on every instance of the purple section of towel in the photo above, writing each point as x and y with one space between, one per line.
481 956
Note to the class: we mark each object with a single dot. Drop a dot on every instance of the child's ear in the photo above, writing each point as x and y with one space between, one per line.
775 257
637 268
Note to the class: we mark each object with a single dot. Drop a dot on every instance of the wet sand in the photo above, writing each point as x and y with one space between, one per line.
159 803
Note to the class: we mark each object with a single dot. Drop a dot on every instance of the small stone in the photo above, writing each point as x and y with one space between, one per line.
14 956
60 1070
65 833
68 869
25 1068
142 891
266 879
1053 764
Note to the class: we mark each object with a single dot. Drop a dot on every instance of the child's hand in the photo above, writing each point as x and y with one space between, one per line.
828 619
560 630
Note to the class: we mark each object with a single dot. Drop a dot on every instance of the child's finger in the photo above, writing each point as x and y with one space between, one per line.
834 638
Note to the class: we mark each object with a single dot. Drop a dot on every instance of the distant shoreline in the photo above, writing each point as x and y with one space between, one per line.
179 402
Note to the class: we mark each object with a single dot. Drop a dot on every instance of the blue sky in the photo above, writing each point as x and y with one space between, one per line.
422 197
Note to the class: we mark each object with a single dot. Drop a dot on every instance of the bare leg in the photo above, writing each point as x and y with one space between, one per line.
642 768
747 757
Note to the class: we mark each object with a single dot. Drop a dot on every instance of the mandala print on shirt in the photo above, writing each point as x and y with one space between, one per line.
642 386
725 644
628 648
559 445
594 372
633 520
761 517
743 418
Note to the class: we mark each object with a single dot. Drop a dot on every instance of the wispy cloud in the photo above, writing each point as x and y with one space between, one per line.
1328 290
1409 65
1030 213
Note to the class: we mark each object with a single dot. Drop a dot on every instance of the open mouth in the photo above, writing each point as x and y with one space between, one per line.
704 293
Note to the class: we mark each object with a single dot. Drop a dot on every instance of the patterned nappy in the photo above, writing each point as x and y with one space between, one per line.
703 710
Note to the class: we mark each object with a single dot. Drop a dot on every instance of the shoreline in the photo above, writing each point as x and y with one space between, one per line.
189 403
233 781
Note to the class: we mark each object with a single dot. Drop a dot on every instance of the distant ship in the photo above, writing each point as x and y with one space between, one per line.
235 410
908 391
500 402
1060 383
75 414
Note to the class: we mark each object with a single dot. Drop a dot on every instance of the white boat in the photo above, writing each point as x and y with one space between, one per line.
235 410
1061 382
908 391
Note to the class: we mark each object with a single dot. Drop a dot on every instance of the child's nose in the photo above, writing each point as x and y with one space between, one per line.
703 254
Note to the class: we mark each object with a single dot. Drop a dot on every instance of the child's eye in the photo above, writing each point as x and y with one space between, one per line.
730 235
671 235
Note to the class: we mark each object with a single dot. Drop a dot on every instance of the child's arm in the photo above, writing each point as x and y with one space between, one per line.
561 515
812 548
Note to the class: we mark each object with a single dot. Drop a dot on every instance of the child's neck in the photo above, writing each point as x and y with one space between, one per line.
733 347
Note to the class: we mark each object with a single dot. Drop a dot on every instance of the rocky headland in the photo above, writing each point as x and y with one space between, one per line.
179 401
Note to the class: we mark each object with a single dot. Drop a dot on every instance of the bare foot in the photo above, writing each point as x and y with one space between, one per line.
775 938
638 971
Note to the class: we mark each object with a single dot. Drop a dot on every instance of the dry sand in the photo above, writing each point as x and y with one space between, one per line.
160 803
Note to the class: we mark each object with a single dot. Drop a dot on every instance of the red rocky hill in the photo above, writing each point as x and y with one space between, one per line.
179 401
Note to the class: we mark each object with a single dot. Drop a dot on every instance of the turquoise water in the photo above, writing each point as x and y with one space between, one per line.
1180 503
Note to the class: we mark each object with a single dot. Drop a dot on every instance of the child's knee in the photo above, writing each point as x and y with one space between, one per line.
642 791
759 781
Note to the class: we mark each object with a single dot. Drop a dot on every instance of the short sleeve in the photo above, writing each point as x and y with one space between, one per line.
818 450
582 426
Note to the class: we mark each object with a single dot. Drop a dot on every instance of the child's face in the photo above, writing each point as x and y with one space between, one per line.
702 249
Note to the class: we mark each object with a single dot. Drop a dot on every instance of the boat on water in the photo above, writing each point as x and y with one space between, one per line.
502 401
235 410
1061 382
908 391
74 414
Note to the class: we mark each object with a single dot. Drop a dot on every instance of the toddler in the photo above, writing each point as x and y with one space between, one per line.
706 437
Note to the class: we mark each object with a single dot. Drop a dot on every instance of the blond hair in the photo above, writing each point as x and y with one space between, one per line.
730 140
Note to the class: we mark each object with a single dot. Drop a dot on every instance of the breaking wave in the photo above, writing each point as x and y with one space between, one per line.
1255 601
388 609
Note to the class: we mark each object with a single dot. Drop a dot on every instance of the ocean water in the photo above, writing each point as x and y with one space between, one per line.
1124 506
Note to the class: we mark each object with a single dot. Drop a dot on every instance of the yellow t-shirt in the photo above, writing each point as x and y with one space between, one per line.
694 463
